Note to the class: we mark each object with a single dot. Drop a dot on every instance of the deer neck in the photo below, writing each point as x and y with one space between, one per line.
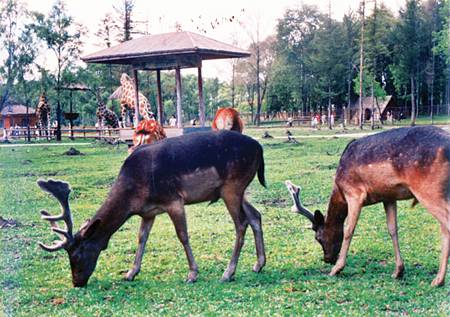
112 214
337 208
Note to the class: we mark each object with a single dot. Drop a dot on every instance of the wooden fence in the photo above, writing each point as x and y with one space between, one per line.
75 133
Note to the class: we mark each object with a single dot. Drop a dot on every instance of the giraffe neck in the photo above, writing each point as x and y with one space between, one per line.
101 107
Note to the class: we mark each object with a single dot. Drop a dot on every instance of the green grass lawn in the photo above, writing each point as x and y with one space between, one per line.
294 281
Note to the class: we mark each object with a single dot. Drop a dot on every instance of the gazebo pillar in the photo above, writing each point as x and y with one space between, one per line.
178 85
160 110
201 101
136 97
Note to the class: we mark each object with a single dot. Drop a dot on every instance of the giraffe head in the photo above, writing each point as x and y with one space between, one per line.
43 100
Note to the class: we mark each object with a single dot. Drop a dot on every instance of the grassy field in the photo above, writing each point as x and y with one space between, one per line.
294 282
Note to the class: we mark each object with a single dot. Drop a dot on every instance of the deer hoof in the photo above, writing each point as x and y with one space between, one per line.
437 282
259 266
192 277
335 271
131 275
398 273
227 278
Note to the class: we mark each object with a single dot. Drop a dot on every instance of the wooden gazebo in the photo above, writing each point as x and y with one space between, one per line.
167 51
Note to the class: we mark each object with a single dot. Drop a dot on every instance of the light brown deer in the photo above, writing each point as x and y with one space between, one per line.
227 119
163 177
404 163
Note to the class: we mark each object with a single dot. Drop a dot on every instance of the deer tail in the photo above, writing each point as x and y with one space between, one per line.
261 178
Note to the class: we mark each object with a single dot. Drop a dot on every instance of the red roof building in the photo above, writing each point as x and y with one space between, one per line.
16 115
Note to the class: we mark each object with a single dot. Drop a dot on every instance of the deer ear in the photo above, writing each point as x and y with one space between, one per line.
89 229
319 220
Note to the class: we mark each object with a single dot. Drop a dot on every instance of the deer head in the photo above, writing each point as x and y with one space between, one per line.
82 252
330 240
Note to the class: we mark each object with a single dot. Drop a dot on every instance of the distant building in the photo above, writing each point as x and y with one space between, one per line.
382 106
16 114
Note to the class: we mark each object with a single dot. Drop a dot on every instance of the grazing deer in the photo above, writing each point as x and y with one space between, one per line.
227 119
163 177
404 163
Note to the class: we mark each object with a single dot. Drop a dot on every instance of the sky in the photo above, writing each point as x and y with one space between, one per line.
163 15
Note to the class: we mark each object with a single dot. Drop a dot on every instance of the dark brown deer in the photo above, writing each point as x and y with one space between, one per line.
163 177
404 163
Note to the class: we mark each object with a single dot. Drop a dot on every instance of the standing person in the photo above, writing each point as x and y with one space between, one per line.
289 122
173 121
313 120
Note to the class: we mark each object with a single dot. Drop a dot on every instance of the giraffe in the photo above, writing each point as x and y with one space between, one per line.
105 116
128 99
43 115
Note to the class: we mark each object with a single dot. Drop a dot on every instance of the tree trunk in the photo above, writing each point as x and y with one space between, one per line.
258 88
361 67
329 107
432 89
349 91
58 104
413 103
27 104
372 114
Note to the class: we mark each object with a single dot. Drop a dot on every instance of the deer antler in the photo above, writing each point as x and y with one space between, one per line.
298 207
60 190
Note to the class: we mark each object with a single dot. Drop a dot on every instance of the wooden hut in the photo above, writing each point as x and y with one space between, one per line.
381 108
16 115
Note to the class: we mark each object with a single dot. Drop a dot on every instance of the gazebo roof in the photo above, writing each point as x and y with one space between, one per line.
166 51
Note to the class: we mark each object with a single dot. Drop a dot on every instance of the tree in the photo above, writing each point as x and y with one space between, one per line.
328 63
351 32
296 31
254 72
125 23
11 12
407 51
361 63
25 60
378 51
442 48
62 36
106 30
106 33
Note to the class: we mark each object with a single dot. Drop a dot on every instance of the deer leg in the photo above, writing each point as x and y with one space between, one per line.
445 248
439 209
391 220
144 230
354 209
254 218
179 220
233 204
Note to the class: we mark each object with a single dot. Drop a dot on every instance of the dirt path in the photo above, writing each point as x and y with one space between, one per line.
43 144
